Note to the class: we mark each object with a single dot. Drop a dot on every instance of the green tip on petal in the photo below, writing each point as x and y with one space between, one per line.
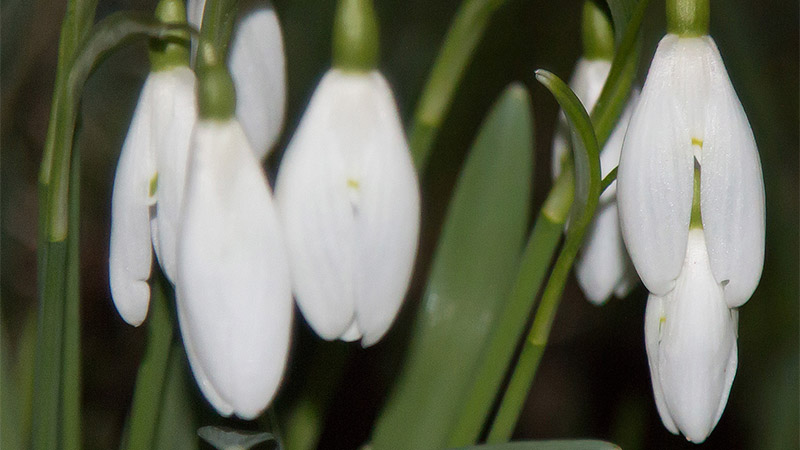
355 36
172 50
216 95
597 33
688 18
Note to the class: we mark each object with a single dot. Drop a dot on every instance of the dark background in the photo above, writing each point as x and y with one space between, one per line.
594 380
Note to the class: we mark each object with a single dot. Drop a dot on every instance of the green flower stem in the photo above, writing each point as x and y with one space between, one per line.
219 18
533 349
71 375
49 423
536 259
147 396
586 159
47 381
465 32
610 178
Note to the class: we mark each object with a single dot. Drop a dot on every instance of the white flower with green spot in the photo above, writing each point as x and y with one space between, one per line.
148 185
691 206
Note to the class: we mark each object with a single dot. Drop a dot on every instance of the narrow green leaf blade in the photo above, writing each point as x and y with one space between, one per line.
586 153
471 276
561 444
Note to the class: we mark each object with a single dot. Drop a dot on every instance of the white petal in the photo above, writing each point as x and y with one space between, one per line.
258 68
174 113
732 189
233 281
349 202
387 219
697 354
130 252
654 189
603 262
654 319
314 205
586 82
603 266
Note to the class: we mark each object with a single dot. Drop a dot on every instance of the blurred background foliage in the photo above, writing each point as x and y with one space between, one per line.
593 381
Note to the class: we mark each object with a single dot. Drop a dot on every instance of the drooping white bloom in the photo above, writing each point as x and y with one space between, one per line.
349 201
233 289
603 267
691 344
689 115
698 266
258 67
148 188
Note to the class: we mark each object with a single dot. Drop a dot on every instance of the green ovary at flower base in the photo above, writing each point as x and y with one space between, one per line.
691 205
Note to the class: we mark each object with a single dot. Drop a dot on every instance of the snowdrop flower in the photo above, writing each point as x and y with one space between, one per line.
691 206
233 290
690 336
148 186
603 266
258 66
347 193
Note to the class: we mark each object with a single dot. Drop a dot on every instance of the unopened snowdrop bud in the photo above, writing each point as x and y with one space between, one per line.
348 196
257 65
233 289
148 186
603 267
691 207
690 335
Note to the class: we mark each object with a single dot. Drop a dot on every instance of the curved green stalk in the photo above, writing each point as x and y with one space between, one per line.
586 157
462 38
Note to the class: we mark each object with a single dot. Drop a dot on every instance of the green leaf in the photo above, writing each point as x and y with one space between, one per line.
229 439
561 444
472 272
586 160
49 424
544 240
462 38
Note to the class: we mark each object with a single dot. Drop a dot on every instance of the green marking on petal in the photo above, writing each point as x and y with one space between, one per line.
353 183
697 142
153 187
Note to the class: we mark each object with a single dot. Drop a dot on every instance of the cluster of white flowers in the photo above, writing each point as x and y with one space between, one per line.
341 233
691 201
